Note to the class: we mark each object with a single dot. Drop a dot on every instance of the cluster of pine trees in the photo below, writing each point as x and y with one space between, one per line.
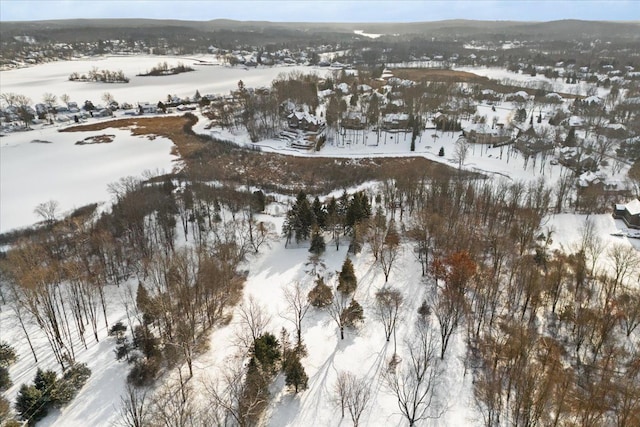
340 216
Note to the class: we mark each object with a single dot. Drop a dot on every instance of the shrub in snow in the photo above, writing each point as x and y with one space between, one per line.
8 355
441 152
144 372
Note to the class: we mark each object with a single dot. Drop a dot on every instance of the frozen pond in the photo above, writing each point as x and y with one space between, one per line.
53 78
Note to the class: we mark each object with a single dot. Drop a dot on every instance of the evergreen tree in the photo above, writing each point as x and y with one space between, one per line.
259 201
318 245
520 116
320 213
441 152
373 111
570 141
5 379
45 381
144 304
353 101
358 210
347 281
266 351
295 376
30 404
355 246
301 217
321 294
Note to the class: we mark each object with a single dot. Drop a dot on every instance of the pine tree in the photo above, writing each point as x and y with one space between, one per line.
441 152
358 210
144 304
301 217
7 355
266 351
320 213
30 404
318 245
570 141
5 379
347 281
295 375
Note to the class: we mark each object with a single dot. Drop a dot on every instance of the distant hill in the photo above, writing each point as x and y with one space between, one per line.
264 32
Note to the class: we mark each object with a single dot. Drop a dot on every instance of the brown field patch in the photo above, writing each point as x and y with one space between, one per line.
208 159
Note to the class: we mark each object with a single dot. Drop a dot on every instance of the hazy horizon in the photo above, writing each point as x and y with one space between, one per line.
320 11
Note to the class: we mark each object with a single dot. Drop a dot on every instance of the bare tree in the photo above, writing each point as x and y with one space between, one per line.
625 262
298 305
9 98
49 100
353 394
460 151
253 321
108 98
390 250
414 379
173 406
338 305
65 98
235 402
24 111
388 303
47 210
134 408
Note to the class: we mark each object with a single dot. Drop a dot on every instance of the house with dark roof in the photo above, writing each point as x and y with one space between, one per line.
303 121
629 213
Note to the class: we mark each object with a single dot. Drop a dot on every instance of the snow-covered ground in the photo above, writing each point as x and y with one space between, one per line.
42 165
539 81
364 352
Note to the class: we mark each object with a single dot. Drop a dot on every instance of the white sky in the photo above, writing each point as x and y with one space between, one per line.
323 11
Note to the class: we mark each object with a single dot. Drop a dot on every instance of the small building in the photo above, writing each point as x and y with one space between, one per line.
395 121
354 120
303 121
484 133
629 213
147 108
